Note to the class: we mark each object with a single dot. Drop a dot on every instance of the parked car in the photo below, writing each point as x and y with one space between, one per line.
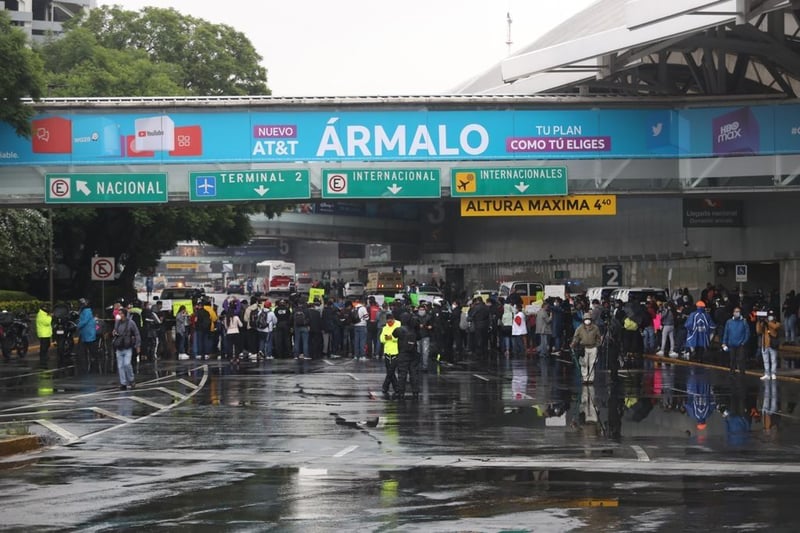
235 287
484 294
353 289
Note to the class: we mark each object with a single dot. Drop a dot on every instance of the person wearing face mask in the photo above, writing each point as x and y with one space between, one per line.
734 340
425 331
390 351
588 336
767 327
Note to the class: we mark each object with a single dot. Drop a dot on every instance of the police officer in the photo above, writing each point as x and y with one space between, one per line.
407 360
283 343
390 352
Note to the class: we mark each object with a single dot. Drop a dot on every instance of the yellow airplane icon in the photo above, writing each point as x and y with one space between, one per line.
466 182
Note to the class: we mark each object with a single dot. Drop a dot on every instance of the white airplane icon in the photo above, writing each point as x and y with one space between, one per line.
206 187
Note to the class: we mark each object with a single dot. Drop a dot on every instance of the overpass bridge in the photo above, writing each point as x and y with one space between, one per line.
618 145
690 185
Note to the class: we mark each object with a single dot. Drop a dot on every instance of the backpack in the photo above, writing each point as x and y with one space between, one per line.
343 318
300 318
253 322
123 339
262 321
137 319
203 319
408 342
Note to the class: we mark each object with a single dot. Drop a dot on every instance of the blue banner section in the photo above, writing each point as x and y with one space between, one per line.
100 138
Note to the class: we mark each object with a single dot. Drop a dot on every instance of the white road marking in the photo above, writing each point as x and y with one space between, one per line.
170 391
145 401
641 455
187 383
327 362
347 450
67 435
481 377
352 377
109 414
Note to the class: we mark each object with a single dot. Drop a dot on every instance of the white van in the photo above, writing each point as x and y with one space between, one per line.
600 293
639 293
353 289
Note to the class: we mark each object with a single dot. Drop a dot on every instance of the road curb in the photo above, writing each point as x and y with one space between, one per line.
21 444
684 362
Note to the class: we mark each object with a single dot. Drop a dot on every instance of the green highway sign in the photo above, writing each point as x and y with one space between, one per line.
105 188
381 183
263 184
508 181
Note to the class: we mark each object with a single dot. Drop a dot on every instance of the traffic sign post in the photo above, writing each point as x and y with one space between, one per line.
103 268
741 273
265 184
512 181
105 188
381 183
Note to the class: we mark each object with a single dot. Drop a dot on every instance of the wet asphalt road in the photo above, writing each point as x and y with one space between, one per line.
312 446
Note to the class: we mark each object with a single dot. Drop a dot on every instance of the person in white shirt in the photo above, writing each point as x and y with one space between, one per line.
519 330
233 343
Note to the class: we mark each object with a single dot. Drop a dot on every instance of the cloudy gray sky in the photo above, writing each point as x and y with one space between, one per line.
376 47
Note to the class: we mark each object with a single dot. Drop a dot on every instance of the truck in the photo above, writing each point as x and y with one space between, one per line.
386 283
274 278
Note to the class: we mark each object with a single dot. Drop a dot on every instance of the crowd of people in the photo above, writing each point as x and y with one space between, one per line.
257 328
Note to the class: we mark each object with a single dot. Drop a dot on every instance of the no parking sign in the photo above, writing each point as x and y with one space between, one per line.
102 268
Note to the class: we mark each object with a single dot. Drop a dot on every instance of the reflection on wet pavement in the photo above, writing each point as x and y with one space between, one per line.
505 445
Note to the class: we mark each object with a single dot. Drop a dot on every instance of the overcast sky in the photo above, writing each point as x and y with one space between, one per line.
376 47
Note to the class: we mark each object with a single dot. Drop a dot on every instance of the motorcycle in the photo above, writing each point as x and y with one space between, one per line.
14 334
65 327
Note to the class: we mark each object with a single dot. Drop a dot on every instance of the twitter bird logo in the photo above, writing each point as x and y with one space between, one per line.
657 129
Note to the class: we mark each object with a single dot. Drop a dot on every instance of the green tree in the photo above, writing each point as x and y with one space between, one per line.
24 245
114 52
213 59
20 77
77 65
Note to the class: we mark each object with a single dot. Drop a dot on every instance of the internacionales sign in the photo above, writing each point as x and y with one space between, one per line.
592 204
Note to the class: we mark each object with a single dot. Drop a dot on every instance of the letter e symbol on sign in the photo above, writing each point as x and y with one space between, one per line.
337 183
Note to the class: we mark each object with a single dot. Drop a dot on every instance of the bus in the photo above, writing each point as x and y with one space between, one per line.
274 278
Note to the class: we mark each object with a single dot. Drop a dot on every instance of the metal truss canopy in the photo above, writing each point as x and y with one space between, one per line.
648 47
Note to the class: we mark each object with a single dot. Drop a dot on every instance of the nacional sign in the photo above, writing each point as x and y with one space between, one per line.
381 183
105 188
514 181
589 204
263 184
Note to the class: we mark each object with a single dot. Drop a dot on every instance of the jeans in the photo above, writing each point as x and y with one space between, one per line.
424 348
544 344
649 340
124 367
359 341
791 328
518 343
301 341
265 343
770 356
668 331
180 342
